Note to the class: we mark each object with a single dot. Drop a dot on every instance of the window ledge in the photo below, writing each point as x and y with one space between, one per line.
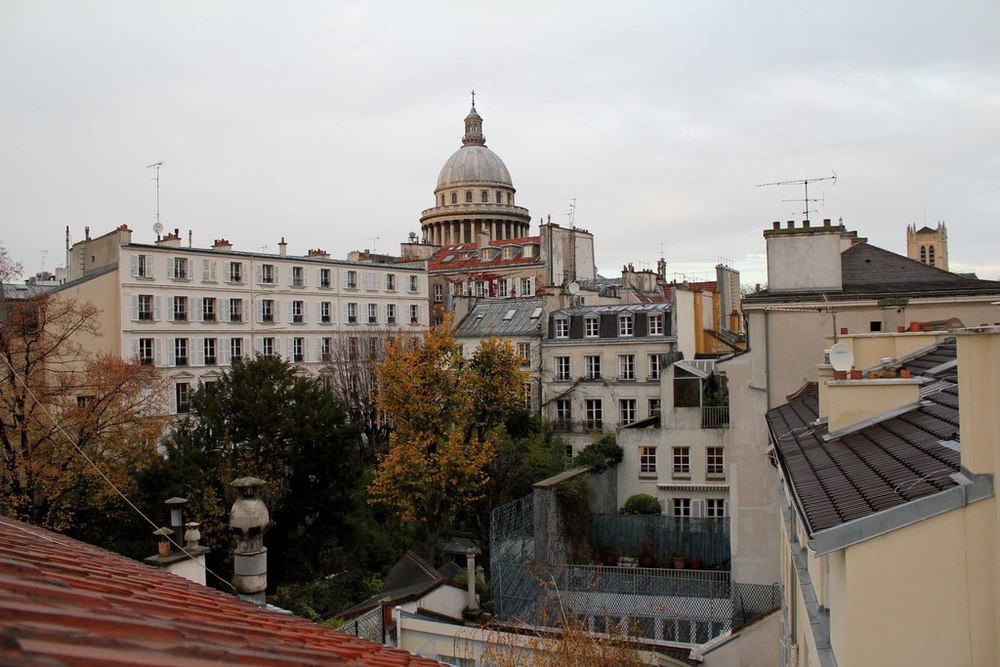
680 475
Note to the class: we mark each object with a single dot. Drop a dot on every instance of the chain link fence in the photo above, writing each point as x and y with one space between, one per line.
369 625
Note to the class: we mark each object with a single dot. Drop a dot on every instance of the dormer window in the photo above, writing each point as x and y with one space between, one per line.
508 252
528 250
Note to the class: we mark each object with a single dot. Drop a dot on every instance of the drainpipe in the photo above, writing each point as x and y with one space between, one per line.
767 358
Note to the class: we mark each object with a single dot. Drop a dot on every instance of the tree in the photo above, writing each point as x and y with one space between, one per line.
60 407
262 418
442 408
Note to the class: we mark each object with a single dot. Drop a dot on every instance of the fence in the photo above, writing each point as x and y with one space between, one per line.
369 625
715 416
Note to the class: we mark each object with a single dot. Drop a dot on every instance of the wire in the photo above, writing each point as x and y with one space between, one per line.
100 472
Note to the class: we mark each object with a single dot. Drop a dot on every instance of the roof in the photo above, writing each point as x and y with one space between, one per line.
626 308
410 578
64 602
469 256
888 463
502 317
868 271
702 368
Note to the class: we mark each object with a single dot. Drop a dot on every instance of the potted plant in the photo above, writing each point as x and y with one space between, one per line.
678 557
695 562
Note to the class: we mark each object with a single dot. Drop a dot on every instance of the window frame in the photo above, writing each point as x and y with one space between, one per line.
680 467
647 460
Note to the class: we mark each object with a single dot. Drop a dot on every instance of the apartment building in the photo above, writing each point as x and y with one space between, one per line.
195 311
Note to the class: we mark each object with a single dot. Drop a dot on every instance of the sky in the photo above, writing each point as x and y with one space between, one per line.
328 122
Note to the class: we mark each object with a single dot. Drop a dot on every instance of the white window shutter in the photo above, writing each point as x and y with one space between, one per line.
291 313
277 311
198 308
171 267
190 269
156 309
246 310
173 400
305 349
725 508
135 348
135 266
156 345
260 311
170 352
197 351
226 353
319 312
260 346
291 275
135 307
697 508
305 313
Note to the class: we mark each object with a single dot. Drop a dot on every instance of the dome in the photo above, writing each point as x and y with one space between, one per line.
474 164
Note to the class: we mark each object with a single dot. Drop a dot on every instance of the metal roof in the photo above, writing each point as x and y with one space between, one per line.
494 317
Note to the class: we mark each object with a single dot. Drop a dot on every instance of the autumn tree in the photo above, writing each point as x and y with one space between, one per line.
66 415
442 407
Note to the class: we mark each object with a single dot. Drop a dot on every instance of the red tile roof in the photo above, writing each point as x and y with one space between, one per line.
63 602
459 263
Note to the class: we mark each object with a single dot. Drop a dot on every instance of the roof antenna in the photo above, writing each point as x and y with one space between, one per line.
473 99
804 182
571 214
156 166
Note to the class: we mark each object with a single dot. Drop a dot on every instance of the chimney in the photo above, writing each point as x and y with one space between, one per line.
248 519
978 384
222 245
318 253
282 247
187 562
805 259
172 240
472 601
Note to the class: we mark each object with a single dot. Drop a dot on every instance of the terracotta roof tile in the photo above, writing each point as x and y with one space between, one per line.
63 602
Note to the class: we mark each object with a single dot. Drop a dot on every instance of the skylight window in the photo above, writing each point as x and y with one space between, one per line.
509 315
536 313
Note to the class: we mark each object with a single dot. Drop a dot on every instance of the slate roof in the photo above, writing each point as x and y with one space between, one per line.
63 602
489 318
868 271
874 468
410 578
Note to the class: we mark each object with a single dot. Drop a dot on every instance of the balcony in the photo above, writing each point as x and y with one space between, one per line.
715 416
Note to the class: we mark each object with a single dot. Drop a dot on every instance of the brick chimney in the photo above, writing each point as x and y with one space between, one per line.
222 245
248 519
318 253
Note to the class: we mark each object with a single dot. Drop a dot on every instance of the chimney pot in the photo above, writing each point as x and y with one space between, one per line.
805 224
790 224
826 222
776 224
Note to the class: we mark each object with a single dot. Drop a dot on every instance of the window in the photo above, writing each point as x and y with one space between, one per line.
236 310
236 349
84 400
654 407
352 348
930 255
352 280
526 286
180 271
595 414
507 252
180 352
208 309
656 325
146 351
526 392
267 274
210 351
682 461
626 410
562 327
390 313
267 346
468 196
875 325
485 196
208 273
234 272
298 349
481 288
715 508
297 312
454 197
267 310
352 313
180 309
592 366
413 284
626 367
372 313
524 351
182 396
647 460
143 266
298 276
564 414
326 348
654 367
414 314
390 282
499 198
324 277
592 327
438 294
682 507
562 369
502 289
625 325
325 312
144 309
715 464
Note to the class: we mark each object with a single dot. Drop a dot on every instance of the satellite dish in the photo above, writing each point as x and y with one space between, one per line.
157 228
842 357
574 288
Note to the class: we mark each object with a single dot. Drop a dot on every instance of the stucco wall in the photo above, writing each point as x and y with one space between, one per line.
788 252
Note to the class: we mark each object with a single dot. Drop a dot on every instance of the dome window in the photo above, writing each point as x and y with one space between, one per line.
485 196
454 197
499 198
468 196
509 197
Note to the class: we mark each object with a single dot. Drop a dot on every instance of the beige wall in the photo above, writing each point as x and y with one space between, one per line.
789 250
103 293
748 647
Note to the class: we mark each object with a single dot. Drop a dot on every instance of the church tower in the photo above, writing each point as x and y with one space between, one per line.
928 246
474 195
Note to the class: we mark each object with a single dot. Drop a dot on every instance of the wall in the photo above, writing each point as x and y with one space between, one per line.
750 646
102 292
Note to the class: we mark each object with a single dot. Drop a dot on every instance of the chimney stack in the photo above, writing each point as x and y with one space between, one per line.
282 247
187 561
248 519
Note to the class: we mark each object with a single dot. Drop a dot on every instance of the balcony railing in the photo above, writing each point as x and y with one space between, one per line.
715 416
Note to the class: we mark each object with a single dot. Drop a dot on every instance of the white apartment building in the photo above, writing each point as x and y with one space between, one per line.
195 311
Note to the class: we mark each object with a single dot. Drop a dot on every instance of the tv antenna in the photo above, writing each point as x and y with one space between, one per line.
571 214
156 177
374 240
44 254
805 183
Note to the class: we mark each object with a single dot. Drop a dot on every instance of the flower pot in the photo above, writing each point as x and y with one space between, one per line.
609 559
904 372
163 548
695 562
856 375
679 563
872 375
840 375
647 560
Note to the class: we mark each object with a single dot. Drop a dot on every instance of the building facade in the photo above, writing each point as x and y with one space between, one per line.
195 311
928 246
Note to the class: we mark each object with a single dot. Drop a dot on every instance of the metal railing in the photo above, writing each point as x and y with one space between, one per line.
715 416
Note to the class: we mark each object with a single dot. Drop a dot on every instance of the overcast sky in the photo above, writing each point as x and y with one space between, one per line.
327 122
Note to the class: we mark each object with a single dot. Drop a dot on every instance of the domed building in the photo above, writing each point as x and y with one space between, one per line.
474 194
